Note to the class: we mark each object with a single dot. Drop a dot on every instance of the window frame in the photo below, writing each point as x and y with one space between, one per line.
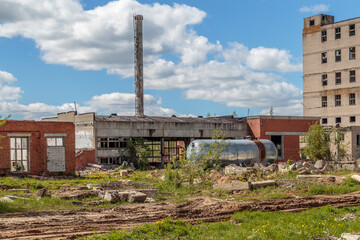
14 154
56 141
337 100
323 35
352 119
324 57
337 78
352 53
352 76
338 33
338 55
352 30
352 99
324 79
324 121
323 101
338 120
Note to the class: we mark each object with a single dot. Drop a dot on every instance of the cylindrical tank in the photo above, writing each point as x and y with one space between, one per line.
241 152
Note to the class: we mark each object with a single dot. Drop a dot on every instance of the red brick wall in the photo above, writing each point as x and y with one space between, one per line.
37 144
84 157
258 128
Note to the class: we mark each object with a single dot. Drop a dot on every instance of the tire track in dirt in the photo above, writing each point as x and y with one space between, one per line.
75 223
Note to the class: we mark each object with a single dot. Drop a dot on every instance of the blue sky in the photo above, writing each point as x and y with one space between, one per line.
200 56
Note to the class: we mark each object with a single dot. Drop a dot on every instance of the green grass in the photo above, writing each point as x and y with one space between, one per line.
249 225
349 185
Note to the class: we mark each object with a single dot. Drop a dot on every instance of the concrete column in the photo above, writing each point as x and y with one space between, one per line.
162 153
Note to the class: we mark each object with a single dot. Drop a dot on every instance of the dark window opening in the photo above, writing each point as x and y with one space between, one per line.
337 33
277 140
352 99
352 119
337 100
324 121
111 143
358 140
324 79
352 77
324 36
352 53
324 57
351 29
324 101
338 120
312 22
337 55
338 78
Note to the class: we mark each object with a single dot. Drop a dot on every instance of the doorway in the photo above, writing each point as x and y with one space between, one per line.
278 141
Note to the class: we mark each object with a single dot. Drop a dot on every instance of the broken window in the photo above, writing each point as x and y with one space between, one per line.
110 160
311 22
352 77
324 57
351 98
337 55
324 36
351 29
111 143
352 119
324 121
352 53
324 101
338 120
324 79
337 100
337 33
55 141
338 78
19 154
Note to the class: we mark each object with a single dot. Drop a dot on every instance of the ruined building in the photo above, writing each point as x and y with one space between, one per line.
331 75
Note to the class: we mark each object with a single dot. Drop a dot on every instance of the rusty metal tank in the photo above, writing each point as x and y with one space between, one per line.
241 152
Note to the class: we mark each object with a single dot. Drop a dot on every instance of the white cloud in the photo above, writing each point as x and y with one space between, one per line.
315 8
102 38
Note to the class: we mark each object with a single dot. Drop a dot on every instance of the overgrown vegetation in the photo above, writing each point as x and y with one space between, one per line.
319 141
138 152
314 223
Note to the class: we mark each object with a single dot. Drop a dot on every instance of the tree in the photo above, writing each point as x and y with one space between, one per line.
234 114
208 115
319 141
138 152
2 122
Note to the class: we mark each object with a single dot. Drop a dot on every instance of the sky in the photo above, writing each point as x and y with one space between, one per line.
200 56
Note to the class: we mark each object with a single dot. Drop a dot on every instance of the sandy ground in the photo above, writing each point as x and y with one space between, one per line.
76 223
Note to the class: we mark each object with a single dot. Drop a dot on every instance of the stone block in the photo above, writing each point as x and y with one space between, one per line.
137 197
260 184
234 186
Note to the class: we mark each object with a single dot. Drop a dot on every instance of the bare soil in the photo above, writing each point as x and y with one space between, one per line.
76 223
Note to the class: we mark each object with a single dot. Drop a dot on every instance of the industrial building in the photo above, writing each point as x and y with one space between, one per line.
34 147
331 75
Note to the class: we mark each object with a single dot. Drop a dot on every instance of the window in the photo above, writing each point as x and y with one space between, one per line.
312 22
337 33
324 101
324 36
19 154
55 141
338 78
351 98
338 120
114 143
324 79
351 29
337 100
352 53
324 120
324 57
352 77
352 119
358 140
337 55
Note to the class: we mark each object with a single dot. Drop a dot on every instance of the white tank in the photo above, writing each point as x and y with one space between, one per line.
241 152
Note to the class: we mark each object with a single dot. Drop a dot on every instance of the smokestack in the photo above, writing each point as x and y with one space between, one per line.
139 82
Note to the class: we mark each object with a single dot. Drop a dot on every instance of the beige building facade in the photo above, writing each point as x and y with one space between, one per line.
331 75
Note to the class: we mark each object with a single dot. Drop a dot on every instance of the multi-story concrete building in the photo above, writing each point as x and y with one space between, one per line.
331 75
331 70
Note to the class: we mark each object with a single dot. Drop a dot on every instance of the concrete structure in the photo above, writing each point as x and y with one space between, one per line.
107 136
331 71
32 147
139 80
331 84
284 131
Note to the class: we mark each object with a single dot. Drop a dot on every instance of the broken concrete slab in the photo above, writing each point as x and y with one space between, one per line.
319 164
234 186
327 168
282 167
316 171
148 192
261 184
95 165
19 190
350 236
356 177
92 186
149 200
309 166
233 169
333 178
83 188
136 197
115 196
79 194
123 173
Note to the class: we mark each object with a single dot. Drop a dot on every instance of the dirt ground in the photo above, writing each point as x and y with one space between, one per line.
76 223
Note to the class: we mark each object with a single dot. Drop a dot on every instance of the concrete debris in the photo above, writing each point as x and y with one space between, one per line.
6 199
233 169
356 177
149 200
319 164
309 166
316 171
156 173
116 196
347 217
93 186
234 186
123 173
135 196
332 178
148 192
350 236
78 194
327 168
18 190
95 165
282 167
260 184
42 193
